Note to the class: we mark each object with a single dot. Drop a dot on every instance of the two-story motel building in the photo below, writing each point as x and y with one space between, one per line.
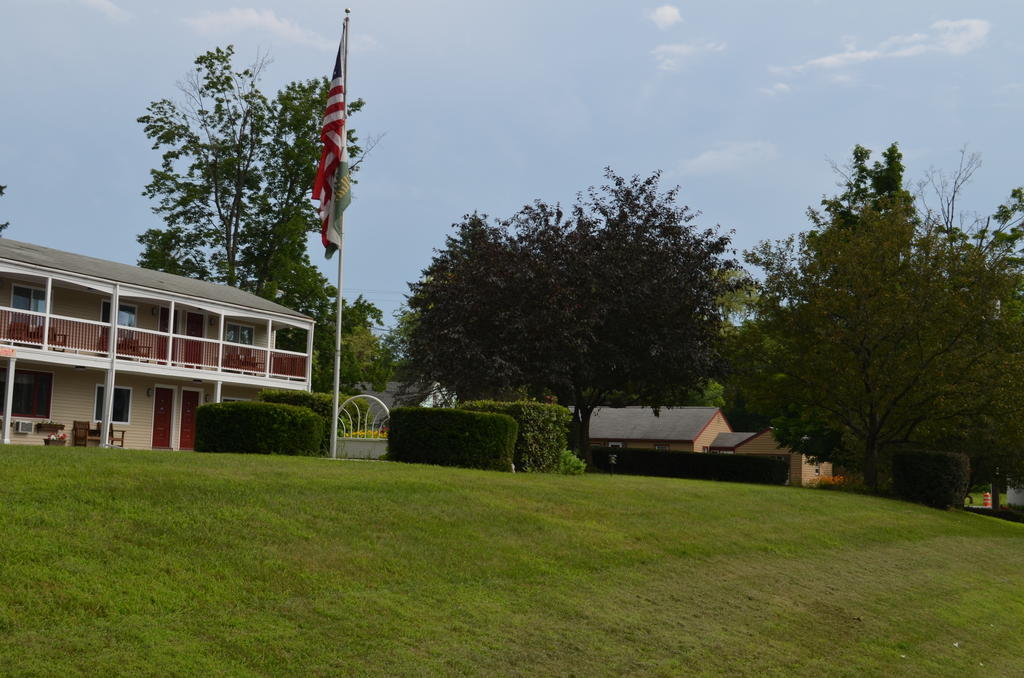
172 344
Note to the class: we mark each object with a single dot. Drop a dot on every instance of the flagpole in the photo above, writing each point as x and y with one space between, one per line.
341 260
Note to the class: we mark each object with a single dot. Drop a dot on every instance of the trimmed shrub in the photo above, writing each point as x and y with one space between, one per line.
1012 515
543 431
737 468
449 437
320 403
937 479
569 464
258 428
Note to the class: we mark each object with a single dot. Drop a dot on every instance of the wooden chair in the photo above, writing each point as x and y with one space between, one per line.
117 437
80 431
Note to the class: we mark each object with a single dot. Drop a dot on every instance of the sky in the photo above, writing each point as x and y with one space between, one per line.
486 106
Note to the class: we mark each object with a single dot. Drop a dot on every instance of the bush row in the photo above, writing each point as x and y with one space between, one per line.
543 431
320 403
737 468
938 479
1012 515
448 437
258 428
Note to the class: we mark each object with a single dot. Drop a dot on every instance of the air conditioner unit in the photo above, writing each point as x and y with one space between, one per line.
24 426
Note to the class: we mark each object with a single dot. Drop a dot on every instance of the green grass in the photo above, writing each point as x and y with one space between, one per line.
154 563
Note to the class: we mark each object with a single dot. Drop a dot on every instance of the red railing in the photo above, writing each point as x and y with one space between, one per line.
190 352
141 344
84 336
23 328
78 335
287 364
244 359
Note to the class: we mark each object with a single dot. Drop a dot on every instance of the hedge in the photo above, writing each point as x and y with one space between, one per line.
450 437
320 403
937 479
738 468
543 431
258 428
1012 515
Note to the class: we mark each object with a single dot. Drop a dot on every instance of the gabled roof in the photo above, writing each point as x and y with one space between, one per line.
25 253
730 441
640 423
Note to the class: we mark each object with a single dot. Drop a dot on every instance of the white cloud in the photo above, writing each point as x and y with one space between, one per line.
665 16
107 7
671 57
731 157
954 38
246 18
776 89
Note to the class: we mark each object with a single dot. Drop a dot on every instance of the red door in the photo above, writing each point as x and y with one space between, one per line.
187 434
163 405
194 328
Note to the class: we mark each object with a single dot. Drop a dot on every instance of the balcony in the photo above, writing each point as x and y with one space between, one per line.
61 334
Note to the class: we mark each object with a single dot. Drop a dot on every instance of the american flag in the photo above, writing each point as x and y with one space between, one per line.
332 187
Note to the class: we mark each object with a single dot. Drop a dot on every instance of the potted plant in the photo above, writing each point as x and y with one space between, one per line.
56 438
49 427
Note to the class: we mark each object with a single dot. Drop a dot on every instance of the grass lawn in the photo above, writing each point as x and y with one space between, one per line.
120 562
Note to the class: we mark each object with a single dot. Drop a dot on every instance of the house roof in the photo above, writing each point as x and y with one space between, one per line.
25 253
732 440
397 393
640 423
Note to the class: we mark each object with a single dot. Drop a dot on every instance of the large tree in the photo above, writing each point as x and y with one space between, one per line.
233 189
884 323
618 295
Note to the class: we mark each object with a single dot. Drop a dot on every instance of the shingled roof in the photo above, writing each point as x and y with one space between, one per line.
58 260
730 441
640 423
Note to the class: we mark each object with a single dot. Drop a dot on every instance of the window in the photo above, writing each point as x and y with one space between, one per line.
614 444
661 446
31 393
28 298
126 314
238 334
122 405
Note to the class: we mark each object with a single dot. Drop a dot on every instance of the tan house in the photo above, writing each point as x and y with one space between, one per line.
694 429
682 429
172 344
801 470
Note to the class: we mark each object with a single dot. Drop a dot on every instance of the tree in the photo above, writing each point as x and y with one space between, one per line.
620 294
233 189
883 323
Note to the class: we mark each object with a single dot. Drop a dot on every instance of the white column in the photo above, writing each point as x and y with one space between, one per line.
216 391
108 386
220 347
46 320
170 332
309 357
270 332
8 399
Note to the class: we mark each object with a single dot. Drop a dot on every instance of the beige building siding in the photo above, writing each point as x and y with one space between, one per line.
717 425
671 445
239 392
74 399
801 471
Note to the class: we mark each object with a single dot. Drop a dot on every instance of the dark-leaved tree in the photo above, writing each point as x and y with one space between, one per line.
618 295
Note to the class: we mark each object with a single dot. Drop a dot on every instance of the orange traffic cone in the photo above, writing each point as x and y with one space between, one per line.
987 503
